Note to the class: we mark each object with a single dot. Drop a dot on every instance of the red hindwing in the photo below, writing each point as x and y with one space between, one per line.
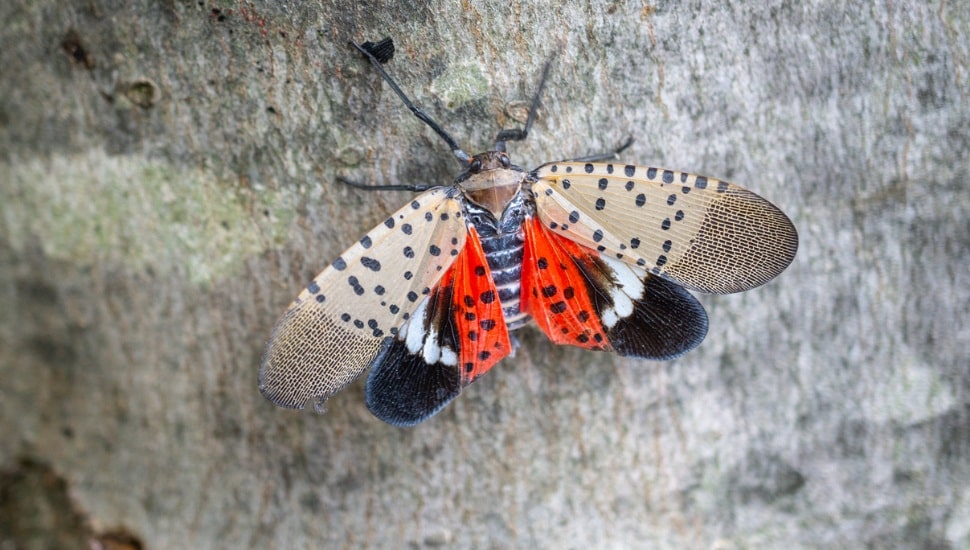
483 338
555 291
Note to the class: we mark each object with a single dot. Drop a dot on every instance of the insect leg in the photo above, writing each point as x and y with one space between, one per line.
615 153
455 149
519 134
388 187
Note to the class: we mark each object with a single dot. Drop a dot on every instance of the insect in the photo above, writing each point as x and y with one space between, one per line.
598 254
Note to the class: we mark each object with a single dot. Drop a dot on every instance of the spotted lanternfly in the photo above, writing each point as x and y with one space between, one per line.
599 254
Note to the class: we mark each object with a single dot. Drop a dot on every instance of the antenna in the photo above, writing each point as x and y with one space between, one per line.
455 149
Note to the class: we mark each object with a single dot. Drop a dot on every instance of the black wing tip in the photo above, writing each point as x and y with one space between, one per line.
391 406
394 414
403 390
666 323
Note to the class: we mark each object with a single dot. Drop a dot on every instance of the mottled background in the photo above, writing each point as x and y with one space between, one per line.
167 185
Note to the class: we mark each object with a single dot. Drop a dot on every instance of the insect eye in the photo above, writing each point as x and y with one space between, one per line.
476 165
506 163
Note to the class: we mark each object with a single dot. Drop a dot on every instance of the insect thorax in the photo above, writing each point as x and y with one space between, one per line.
491 181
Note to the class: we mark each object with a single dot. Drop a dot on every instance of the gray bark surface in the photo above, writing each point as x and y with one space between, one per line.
167 186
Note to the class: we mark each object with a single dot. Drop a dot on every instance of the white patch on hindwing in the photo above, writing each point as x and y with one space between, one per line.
424 342
626 276
414 339
448 357
625 293
608 318
431 350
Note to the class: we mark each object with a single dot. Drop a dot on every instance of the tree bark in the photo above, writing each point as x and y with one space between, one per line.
168 184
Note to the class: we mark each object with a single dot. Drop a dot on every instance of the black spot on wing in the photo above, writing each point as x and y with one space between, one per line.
403 390
487 297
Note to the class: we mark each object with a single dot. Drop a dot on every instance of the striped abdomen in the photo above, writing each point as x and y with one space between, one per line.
503 252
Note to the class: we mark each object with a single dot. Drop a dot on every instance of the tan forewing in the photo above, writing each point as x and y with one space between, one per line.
336 326
701 233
